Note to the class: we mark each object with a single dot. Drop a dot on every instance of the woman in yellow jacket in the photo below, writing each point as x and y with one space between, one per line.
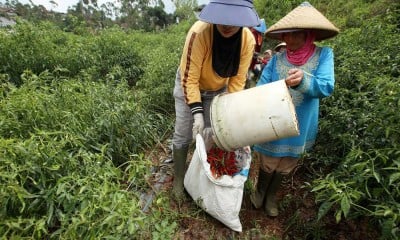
215 59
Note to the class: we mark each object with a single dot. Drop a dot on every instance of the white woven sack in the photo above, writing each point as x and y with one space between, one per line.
221 197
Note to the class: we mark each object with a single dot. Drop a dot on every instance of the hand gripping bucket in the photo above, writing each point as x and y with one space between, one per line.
253 116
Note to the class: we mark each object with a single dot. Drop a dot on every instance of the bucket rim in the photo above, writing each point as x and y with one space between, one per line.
213 112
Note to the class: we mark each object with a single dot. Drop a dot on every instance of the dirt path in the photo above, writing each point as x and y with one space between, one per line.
296 220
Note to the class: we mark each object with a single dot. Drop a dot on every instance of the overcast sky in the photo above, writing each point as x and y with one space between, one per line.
64 4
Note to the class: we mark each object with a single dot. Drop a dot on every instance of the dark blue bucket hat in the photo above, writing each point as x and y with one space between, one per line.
239 13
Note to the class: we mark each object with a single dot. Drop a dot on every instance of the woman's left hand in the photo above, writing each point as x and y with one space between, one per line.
295 77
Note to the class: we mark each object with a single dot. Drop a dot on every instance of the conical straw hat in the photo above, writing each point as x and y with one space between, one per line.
304 16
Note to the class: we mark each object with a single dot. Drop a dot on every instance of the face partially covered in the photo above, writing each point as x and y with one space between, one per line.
294 40
227 31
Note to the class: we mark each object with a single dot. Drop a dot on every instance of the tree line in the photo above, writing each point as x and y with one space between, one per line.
145 15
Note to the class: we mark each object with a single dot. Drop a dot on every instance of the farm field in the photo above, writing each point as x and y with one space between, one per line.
87 114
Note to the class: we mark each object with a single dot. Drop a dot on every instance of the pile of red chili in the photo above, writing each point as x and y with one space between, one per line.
221 162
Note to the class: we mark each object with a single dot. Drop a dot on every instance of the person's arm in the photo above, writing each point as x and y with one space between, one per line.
190 68
320 83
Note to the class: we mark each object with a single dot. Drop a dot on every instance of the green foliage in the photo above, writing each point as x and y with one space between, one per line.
185 8
272 11
161 54
111 55
79 108
97 113
61 144
359 137
48 193
88 15
143 15
117 52
55 187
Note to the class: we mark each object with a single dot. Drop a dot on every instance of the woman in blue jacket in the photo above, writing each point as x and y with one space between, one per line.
308 71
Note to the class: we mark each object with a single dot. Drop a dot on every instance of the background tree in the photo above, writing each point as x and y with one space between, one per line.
154 18
53 4
184 8
143 14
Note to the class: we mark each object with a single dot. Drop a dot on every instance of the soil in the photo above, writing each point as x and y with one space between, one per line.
297 206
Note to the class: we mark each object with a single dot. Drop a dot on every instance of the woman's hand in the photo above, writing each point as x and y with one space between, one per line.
295 76
198 125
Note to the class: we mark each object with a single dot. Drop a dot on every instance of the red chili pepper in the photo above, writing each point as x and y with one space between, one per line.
221 162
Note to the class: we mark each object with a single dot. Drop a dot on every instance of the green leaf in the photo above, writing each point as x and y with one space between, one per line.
387 212
131 228
318 187
394 177
338 216
377 176
50 213
345 205
323 209
387 227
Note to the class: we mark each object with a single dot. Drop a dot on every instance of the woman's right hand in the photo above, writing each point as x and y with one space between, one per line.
295 75
198 124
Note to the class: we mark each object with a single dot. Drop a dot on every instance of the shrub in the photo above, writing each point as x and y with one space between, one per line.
359 137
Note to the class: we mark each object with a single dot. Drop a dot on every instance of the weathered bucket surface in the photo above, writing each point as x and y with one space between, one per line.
253 116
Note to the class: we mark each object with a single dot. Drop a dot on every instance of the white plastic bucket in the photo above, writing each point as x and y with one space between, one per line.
253 116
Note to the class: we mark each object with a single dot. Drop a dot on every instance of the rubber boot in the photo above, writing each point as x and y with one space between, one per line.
257 197
179 157
271 206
